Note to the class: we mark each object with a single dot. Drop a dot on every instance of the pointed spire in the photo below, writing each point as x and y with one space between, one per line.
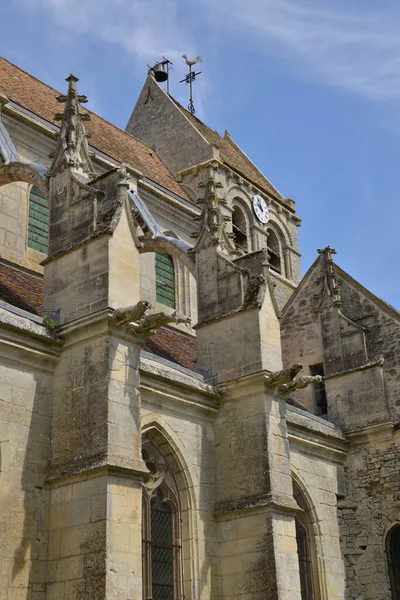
72 149
213 226
332 285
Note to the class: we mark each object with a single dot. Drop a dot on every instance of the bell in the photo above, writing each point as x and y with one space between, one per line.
159 72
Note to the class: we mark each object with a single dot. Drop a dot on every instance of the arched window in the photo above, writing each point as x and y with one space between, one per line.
304 548
165 280
239 228
393 557
274 251
161 529
38 221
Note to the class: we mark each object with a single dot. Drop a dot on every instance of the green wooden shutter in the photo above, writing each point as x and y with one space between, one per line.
38 221
165 280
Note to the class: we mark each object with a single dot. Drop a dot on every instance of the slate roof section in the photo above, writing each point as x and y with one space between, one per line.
232 155
21 289
173 346
40 99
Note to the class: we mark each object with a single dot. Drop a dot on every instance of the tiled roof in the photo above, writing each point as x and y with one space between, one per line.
232 155
173 346
25 291
40 99
21 289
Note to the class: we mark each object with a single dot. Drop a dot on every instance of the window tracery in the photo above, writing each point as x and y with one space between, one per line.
161 530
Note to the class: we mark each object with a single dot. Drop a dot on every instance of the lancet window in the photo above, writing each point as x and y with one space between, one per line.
165 280
161 530
38 221
239 228
393 558
274 251
304 548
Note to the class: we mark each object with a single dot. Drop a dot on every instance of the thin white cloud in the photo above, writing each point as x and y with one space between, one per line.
353 44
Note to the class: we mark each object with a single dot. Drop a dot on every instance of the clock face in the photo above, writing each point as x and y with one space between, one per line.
261 209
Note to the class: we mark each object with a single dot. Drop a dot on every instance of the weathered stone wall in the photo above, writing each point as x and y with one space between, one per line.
301 333
157 121
26 367
317 458
369 509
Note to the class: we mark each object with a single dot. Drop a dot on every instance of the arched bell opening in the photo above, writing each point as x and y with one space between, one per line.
274 252
240 229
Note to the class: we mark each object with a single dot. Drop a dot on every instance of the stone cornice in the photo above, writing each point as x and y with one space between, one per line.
132 468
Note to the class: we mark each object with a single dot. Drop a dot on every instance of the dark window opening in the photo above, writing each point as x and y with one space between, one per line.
239 228
165 279
274 256
321 404
393 557
304 554
38 221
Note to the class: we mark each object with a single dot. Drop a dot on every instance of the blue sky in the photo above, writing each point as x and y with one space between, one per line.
309 88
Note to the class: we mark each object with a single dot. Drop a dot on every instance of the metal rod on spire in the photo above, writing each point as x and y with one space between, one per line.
190 77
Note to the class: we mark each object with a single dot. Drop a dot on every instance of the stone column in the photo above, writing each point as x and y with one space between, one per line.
255 508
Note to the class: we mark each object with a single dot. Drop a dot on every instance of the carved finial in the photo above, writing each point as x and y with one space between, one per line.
72 149
213 221
332 286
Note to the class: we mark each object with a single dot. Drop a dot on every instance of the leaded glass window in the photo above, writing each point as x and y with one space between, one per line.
38 221
162 564
165 279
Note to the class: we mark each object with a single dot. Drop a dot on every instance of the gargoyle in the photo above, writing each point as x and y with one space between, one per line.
148 323
299 383
285 376
137 322
131 314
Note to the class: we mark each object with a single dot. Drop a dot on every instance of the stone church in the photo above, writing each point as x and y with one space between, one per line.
183 415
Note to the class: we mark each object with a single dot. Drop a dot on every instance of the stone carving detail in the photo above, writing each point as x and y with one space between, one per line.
142 325
213 222
160 473
72 147
331 283
286 381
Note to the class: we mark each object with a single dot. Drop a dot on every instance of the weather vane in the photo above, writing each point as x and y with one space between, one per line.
190 77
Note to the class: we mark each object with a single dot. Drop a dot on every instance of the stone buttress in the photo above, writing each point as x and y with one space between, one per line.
96 469
239 350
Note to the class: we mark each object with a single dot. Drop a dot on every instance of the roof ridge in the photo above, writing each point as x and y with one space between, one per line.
230 139
366 291
273 190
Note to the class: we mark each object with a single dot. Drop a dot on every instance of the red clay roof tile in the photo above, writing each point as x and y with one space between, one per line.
173 346
21 289
39 98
